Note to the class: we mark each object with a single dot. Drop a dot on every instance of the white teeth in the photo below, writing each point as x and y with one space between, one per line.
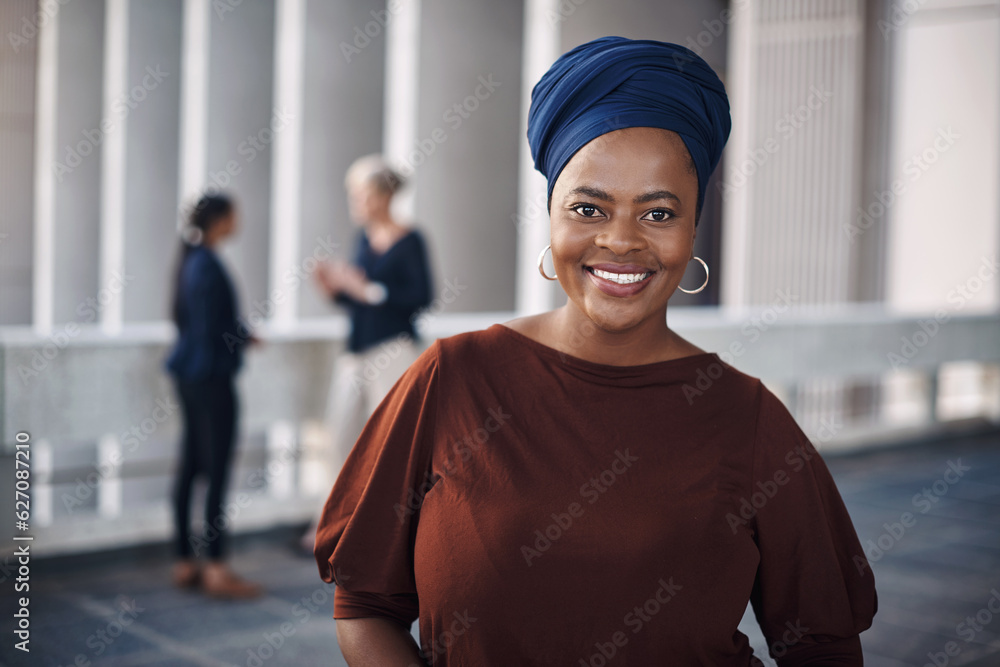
620 278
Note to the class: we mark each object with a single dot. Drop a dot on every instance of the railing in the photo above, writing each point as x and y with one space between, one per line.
103 423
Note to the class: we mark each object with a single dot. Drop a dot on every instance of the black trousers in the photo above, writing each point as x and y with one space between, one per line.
209 410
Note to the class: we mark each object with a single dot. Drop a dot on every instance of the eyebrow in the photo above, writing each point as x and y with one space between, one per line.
597 193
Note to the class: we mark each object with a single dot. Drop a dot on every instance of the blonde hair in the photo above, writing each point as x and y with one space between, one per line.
373 169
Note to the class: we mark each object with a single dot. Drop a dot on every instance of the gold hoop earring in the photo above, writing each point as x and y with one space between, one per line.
703 285
541 265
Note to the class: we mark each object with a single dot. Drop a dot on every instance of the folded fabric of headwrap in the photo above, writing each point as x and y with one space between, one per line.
614 83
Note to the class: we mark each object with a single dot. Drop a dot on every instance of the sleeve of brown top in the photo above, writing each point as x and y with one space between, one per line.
364 541
815 591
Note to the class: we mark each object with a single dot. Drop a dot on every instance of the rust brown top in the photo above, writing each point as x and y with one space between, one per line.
534 508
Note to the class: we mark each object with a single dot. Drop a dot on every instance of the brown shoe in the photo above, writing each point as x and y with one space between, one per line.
218 581
187 573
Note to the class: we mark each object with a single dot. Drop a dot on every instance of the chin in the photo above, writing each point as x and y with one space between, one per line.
614 320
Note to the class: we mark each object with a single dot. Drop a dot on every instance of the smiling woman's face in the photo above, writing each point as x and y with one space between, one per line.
623 225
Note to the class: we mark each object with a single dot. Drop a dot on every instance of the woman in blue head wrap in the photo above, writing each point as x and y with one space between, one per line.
627 133
584 486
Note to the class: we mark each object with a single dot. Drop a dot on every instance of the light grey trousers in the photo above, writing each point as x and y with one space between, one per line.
360 381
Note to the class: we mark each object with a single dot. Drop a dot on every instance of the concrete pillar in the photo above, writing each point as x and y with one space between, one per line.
282 450
943 161
345 45
46 133
286 165
465 161
402 90
19 23
943 165
736 206
153 148
539 51
194 104
117 101
76 161
242 122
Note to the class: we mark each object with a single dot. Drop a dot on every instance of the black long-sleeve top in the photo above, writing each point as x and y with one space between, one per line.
403 271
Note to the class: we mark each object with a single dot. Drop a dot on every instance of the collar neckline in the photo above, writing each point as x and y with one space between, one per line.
606 369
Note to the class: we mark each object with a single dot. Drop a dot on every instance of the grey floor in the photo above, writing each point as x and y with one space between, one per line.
943 568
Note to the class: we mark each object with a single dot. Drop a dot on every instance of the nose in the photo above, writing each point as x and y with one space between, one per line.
620 235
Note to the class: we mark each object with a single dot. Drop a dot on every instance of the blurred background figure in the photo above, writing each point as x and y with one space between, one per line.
383 288
204 361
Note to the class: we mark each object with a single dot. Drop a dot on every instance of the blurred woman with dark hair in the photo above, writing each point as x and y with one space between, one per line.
203 363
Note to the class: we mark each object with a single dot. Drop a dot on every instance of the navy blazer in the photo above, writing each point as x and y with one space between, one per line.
210 337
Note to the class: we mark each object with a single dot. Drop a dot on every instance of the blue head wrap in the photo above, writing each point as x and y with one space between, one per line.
612 83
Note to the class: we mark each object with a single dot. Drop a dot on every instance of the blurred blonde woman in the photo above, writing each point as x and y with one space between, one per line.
383 289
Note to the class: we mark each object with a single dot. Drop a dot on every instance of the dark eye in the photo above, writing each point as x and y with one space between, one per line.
586 210
659 215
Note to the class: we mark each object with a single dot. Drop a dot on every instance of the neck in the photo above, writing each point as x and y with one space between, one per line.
212 238
379 222
643 343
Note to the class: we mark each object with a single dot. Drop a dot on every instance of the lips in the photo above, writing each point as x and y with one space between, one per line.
620 268
620 280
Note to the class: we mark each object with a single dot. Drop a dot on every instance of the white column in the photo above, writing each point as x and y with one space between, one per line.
286 161
109 489
194 101
735 206
402 69
46 101
112 259
281 454
945 138
541 48
41 478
